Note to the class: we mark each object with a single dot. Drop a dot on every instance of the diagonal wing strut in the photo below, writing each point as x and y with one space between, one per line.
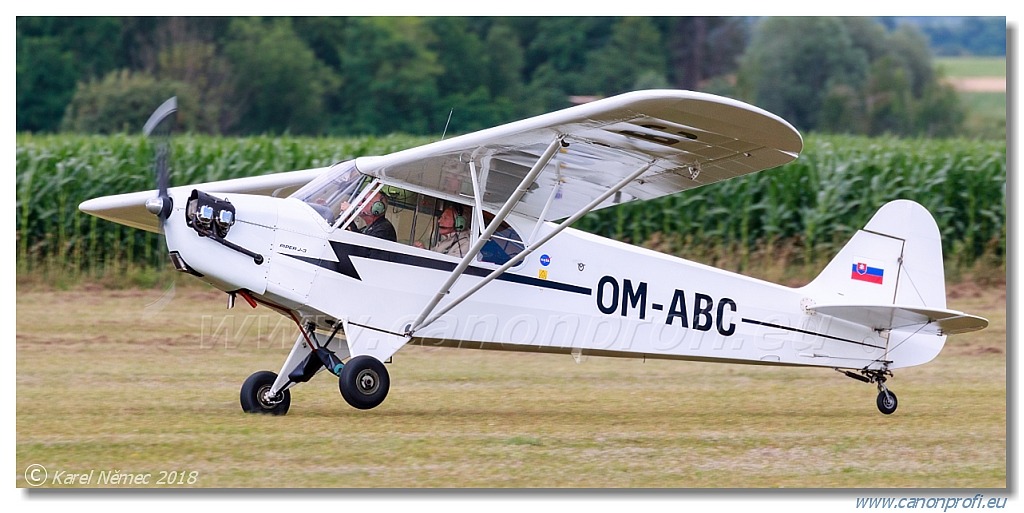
524 186
424 321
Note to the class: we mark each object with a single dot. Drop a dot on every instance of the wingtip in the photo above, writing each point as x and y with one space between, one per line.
90 206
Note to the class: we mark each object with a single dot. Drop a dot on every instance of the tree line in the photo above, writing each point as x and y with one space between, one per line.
378 75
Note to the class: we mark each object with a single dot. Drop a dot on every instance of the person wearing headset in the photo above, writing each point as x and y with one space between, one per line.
376 224
451 228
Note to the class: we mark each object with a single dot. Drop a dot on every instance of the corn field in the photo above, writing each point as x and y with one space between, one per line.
820 200
815 203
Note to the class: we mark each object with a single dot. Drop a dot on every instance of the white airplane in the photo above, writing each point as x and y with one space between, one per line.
478 253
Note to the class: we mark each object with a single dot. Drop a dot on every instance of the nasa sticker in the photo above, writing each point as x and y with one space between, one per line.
545 260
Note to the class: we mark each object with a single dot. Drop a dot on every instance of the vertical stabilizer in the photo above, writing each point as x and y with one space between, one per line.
895 259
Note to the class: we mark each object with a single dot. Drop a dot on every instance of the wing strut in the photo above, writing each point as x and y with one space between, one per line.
521 190
533 247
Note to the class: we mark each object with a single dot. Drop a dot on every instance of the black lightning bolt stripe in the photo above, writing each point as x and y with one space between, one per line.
344 266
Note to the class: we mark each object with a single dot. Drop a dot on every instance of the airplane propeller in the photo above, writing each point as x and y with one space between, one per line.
160 124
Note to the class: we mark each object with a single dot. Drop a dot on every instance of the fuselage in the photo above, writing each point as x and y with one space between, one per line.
578 294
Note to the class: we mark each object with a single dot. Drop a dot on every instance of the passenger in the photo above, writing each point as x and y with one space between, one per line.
451 228
376 224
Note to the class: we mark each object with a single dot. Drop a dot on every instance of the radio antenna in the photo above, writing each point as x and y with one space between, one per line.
446 123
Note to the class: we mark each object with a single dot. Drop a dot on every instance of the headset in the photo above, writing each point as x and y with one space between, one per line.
458 220
379 207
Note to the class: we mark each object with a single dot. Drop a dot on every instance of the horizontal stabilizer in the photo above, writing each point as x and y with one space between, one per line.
895 317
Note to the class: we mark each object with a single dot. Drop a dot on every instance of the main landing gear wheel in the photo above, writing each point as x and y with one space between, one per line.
886 401
364 382
255 396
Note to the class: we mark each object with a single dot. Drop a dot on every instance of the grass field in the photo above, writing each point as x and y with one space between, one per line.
972 66
129 384
981 82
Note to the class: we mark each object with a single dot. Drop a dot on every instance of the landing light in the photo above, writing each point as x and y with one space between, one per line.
209 215
225 218
204 216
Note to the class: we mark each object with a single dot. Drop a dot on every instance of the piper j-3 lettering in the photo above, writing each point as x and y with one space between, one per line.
467 242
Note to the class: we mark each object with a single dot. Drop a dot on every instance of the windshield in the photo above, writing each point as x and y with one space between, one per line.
331 193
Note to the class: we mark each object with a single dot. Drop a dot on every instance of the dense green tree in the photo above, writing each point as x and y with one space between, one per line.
208 74
122 101
325 35
359 75
888 100
984 35
939 112
460 52
45 78
847 75
464 87
968 35
842 110
53 54
868 35
702 48
792 61
910 48
279 84
634 49
556 56
94 41
390 77
505 62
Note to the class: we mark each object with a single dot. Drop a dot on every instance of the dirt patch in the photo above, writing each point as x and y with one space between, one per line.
978 84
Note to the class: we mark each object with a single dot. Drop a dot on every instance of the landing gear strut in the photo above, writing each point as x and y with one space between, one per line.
886 400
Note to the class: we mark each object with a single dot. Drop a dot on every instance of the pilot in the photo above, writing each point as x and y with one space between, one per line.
452 237
376 225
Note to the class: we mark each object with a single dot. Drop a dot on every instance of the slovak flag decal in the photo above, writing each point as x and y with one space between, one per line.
864 272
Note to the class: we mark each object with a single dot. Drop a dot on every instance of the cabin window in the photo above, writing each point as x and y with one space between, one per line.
446 227
419 220
504 245
331 193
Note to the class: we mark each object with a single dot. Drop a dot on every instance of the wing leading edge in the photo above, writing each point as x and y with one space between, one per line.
130 209
689 139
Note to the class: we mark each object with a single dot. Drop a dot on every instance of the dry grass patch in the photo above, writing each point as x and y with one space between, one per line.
147 391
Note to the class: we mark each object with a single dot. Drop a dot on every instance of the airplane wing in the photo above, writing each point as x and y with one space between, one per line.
895 317
692 139
130 209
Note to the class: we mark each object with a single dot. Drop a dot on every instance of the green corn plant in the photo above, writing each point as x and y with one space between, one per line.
814 203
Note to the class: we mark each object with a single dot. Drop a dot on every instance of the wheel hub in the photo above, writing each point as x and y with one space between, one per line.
887 399
266 399
367 381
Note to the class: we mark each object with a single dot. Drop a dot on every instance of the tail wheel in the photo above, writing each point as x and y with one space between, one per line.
256 397
364 382
886 401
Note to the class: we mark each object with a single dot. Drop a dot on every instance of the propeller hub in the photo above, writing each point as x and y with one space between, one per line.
159 206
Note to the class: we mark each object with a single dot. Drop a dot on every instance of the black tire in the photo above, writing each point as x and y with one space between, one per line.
886 402
364 382
253 395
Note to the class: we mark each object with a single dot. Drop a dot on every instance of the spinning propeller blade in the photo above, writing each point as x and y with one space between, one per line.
160 124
